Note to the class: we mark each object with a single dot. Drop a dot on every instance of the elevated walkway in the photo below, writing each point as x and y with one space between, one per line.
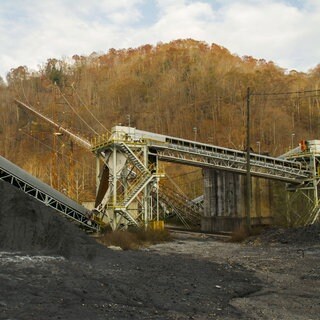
172 149
209 156
127 153
37 189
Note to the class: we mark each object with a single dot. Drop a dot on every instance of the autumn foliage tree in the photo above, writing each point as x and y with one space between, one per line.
171 88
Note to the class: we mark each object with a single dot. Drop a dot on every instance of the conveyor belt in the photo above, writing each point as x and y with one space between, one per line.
204 155
172 149
32 186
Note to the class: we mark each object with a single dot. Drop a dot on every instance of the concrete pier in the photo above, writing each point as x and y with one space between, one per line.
224 201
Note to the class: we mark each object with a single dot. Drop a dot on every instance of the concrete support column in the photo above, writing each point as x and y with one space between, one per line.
224 205
222 200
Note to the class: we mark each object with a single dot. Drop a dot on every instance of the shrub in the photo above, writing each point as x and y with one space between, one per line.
243 233
152 236
123 239
240 234
134 239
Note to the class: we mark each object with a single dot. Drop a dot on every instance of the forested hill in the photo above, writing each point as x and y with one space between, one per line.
184 88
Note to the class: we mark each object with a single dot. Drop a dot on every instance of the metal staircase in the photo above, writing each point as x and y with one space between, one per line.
136 188
119 206
130 154
127 216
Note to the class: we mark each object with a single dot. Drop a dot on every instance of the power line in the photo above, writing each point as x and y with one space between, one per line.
52 149
305 97
293 98
76 113
283 93
185 174
89 109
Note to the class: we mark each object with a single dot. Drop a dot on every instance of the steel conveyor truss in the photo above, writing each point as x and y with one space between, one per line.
139 147
127 181
204 155
42 192
130 173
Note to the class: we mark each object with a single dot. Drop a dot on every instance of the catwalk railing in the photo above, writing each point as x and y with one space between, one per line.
204 155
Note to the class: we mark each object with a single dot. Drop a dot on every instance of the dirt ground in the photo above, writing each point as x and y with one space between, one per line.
289 274
49 269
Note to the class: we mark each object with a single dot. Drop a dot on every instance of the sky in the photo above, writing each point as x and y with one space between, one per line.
284 31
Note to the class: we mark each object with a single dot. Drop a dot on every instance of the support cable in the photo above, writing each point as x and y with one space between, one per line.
176 186
76 113
80 99
283 93
52 149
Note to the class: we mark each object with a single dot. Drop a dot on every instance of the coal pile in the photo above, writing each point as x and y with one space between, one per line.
27 225
308 235
98 283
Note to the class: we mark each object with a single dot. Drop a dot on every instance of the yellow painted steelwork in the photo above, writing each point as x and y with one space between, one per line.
156 225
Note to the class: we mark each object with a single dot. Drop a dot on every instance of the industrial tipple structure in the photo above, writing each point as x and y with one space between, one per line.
129 189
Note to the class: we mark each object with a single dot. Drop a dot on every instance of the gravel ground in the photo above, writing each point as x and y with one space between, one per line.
49 269
289 273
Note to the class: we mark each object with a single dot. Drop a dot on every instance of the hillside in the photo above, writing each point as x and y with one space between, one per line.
184 88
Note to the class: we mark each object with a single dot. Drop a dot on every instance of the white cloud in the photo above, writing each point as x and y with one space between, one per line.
44 29
180 19
273 30
32 31
183 21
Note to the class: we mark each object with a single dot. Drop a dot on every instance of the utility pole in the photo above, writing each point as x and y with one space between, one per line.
195 130
259 145
248 175
292 137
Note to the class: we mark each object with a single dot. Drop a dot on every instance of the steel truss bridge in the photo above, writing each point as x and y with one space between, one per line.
140 152
129 173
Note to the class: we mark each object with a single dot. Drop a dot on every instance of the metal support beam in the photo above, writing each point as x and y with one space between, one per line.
248 172
134 146
42 192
